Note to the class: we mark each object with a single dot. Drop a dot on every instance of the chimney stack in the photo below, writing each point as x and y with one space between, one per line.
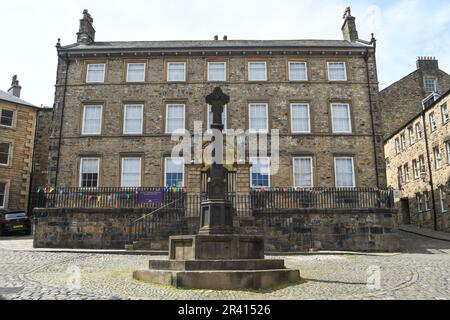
427 64
86 34
225 38
349 28
15 88
216 37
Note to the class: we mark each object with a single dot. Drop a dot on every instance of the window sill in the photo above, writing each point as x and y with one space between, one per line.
7 127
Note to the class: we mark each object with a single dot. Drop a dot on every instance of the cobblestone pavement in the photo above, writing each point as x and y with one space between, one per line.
421 271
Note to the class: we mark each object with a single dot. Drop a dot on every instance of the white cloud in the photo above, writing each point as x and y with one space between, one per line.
404 29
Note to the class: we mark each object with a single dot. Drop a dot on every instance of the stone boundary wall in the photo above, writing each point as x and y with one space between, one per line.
284 230
329 229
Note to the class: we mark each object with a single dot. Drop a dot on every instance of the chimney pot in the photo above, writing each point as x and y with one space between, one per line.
15 87
216 37
86 33
349 28
225 38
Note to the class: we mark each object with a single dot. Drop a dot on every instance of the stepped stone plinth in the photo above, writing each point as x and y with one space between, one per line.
217 258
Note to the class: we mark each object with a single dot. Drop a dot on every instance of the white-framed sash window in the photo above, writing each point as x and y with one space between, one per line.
136 71
300 118
344 172
95 73
258 117
131 172
260 172
3 194
337 71
217 71
89 172
174 172
92 120
6 118
175 117
132 118
5 153
298 71
257 71
341 118
303 172
176 71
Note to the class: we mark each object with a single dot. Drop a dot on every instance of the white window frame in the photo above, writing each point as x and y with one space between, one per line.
249 73
8 162
84 118
353 172
208 124
298 62
419 202
406 172
433 124
128 71
225 71
345 70
125 119
419 131
309 118
426 201
397 146
122 171
422 168
250 119
251 171
167 116
416 169
165 168
437 158
434 84
88 69
445 119
312 171
6 195
12 120
184 70
443 200
80 177
412 136
403 141
447 147
349 118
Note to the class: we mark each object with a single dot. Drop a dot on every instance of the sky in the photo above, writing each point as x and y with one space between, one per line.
405 29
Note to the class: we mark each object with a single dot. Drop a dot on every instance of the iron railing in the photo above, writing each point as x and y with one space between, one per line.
321 198
105 197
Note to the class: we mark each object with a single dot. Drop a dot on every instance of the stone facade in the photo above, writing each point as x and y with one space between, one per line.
431 180
68 145
17 139
402 101
284 231
41 148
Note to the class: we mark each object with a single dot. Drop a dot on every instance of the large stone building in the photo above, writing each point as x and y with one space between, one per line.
17 130
116 104
402 100
418 164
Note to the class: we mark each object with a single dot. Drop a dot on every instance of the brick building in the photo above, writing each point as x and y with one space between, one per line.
17 130
116 104
418 164
402 100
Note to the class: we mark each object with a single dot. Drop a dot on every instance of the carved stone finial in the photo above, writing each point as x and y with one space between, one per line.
347 13
217 99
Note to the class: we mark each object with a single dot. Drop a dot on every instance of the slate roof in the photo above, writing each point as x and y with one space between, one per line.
5 96
216 44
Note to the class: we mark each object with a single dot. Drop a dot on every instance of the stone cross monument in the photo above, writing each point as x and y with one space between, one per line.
217 257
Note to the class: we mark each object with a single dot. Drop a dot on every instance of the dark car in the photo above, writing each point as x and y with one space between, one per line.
14 222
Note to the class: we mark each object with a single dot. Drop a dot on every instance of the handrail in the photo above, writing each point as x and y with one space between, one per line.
151 213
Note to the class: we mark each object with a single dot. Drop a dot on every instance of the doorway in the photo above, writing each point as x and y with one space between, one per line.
406 214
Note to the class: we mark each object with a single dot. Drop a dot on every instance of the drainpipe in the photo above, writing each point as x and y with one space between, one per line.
67 61
366 59
30 190
433 202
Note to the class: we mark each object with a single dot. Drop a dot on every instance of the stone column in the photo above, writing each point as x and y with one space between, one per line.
193 185
243 178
